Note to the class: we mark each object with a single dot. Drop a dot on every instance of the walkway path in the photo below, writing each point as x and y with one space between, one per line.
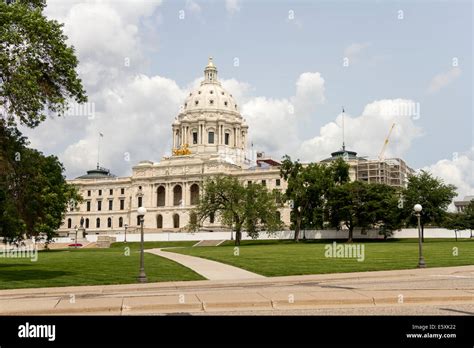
211 270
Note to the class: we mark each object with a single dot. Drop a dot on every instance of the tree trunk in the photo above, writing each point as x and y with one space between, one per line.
351 230
238 237
297 227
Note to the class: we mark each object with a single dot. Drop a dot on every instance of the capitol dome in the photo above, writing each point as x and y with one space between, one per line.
210 95
209 120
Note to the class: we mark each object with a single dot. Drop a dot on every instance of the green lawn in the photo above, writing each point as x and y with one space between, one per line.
280 258
91 267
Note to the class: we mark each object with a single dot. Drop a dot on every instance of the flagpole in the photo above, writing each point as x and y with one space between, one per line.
98 150
343 142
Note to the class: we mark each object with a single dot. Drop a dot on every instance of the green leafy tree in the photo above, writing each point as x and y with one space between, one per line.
469 216
456 222
362 205
308 187
37 67
251 208
433 195
383 200
34 194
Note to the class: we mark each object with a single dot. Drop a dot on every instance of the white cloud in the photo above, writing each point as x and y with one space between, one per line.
458 171
232 6
443 79
136 124
309 92
127 105
273 122
193 6
366 133
354 51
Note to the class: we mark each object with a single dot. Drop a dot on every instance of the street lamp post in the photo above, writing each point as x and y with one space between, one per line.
125 237
421 262
142 276
75 243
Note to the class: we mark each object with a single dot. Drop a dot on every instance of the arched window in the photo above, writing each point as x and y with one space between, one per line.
278 215
194 194
177 195
159 221
109 222
210 138
211 218
227 138
176 221
97 222
69 223
120 221
160 196
193 218
87 223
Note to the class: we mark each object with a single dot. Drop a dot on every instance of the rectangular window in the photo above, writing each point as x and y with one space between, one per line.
210 138
99 205
227 138
139 201
111 204
264 182
195 138
122 204
122 191
111 192
278 183
100 192
278 197
249 183
89 192
88 206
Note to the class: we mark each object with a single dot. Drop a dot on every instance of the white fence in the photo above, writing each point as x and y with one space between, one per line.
308 234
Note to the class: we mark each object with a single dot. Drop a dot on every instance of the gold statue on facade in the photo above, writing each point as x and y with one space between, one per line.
182 151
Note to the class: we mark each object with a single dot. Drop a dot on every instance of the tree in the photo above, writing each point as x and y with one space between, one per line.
469 216
308 187
37 67
34 194
433 195
358 204
456 222
383 200
251 208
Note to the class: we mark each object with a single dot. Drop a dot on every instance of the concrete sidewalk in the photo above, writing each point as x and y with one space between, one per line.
211 270
453 285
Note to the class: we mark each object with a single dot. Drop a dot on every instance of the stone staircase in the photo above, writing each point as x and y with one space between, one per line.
209 243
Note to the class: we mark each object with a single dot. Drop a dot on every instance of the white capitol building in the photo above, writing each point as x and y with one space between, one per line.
209 138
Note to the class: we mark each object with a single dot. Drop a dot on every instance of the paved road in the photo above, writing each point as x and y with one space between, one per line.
363 292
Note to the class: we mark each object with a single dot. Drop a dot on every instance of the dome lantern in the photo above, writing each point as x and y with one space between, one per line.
210 72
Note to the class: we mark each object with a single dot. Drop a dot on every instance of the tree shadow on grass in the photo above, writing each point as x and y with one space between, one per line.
30 275
4 265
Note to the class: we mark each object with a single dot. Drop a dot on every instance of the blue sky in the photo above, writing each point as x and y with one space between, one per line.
291 55
401 58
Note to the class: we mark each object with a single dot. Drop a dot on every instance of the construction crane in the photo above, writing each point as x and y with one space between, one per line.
384 147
